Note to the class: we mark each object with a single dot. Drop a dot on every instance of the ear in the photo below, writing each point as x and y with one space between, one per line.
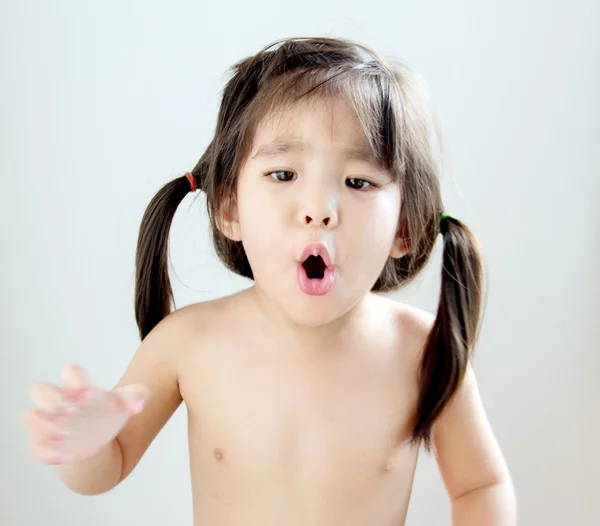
228 221
399 248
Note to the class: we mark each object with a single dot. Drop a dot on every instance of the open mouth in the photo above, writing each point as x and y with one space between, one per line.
315 277
315 267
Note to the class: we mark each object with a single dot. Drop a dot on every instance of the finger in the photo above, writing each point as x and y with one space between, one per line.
49 452
133 397
75 377
50 397
45 425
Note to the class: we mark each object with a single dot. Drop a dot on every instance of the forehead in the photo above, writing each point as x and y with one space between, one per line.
305 126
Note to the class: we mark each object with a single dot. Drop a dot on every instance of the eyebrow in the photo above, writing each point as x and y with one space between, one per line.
281 145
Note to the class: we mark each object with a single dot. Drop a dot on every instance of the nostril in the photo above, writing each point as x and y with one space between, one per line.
309 220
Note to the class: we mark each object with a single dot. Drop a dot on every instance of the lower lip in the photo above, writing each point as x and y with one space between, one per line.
315 287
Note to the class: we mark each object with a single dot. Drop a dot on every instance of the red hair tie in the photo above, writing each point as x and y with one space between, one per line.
192 181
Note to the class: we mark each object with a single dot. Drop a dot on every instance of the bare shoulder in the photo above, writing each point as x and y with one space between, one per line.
161 363
413 324
204 333
416 320
197 322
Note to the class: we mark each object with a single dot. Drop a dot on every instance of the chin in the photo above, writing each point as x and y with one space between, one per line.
309 310
313 314
315 311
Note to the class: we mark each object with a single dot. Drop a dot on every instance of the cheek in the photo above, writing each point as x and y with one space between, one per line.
260 227
377 226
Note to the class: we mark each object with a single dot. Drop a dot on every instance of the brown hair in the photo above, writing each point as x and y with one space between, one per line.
391 108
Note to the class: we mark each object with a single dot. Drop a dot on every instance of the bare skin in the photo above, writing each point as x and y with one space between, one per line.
285 427
303 429
299 406
278 435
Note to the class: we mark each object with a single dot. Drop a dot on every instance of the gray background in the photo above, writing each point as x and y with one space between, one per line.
103 102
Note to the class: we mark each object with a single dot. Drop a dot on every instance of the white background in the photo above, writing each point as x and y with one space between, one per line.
101 103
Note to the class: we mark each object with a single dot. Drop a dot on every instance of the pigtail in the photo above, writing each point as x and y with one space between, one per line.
153 291
455 331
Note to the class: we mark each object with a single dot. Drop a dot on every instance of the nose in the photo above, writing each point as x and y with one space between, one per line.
326 221
319 210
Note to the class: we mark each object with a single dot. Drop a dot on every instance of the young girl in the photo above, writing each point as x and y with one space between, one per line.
309 393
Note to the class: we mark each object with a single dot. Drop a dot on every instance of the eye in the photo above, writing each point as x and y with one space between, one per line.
283 176
358 184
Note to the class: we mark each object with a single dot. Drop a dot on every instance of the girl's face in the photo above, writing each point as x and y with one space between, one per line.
309 179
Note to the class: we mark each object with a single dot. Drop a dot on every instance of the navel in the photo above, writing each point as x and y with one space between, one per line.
218 454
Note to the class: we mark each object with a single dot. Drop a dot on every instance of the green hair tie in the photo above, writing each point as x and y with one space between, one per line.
444 223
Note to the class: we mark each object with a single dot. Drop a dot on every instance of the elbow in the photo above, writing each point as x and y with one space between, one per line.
82 483
95 475
499 485
86 488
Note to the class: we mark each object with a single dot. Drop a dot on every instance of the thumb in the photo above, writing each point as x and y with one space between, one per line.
133 397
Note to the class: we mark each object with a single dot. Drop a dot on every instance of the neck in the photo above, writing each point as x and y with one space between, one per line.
309 338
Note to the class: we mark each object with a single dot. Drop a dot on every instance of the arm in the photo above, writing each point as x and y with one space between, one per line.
471 463
155 366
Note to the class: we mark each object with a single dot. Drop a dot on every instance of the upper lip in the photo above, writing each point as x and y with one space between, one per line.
317 249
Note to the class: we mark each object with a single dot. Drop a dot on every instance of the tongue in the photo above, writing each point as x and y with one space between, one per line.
315 287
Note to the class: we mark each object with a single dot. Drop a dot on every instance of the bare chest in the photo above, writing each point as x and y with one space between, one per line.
280 420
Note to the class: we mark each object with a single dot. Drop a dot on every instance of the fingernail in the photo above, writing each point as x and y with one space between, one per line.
139 405
64 459
62 433
68 409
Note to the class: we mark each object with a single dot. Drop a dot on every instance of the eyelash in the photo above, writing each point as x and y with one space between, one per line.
369 183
